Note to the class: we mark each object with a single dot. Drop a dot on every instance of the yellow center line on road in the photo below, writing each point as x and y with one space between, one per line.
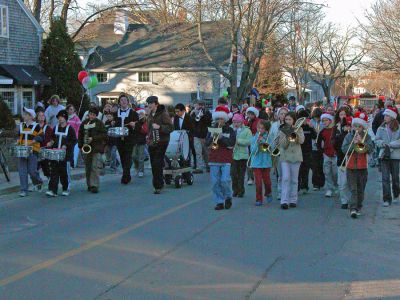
48 263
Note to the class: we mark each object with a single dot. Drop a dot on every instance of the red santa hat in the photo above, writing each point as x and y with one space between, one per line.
253 110
360 118
327 116
221 111
391 112
140 110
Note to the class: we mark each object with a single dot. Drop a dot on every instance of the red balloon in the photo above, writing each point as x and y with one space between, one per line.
81 75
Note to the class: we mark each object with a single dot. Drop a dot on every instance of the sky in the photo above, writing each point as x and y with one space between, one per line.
342 12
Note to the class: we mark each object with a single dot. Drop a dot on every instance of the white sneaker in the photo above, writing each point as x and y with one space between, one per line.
395 200
328 193
250 182
51 194
23 194
386 204
140 174
65 193
37 188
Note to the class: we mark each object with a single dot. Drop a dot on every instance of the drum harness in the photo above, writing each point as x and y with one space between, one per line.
26 133
60 135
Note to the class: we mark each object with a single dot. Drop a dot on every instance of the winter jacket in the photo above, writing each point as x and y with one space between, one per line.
34 138
98 133
243 141
75 123
47 133
51 114
260 159
226 142
201 126
309 135
291 152
140 132
383 137
253 125
326 136
338 137
160 117
357 161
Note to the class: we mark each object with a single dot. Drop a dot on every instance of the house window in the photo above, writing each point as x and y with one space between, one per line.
144 77
8 98
27 99
3 21
102 77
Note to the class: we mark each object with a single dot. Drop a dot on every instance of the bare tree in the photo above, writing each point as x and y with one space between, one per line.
336 55
251 23
299 37
382 35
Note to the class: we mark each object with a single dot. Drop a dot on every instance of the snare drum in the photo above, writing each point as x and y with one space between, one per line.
54 154
22 151
118 131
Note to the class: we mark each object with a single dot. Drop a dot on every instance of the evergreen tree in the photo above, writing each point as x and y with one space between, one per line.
61 63
6 118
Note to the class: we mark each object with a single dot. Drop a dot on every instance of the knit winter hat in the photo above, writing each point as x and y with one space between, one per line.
391 112
299 107
221 111
238 118
360 118
253 110
327 116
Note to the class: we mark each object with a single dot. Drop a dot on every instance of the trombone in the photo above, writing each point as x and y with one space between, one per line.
263 146
358 148
292 137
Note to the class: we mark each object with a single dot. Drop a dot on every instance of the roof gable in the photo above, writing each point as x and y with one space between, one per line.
30 16
173 46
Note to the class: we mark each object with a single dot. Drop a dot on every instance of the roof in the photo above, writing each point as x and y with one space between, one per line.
25 75
155 46
30 16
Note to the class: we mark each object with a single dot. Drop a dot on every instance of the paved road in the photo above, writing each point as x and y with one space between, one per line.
126 243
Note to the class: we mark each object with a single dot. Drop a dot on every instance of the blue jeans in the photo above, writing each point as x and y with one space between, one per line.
221 180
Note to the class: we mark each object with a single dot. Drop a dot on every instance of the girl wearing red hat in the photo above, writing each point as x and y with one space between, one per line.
387 139
356 161
220 158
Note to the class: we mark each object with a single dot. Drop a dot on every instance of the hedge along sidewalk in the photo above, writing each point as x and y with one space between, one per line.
13 185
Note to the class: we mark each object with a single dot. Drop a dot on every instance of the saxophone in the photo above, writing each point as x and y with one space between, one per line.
86 148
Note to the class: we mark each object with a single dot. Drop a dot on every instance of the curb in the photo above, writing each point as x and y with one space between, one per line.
15 188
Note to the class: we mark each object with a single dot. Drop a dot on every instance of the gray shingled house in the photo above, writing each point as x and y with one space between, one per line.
20 45
154 59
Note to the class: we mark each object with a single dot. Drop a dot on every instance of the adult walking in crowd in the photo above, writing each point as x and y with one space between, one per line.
202 119
160 127
52 110
182 121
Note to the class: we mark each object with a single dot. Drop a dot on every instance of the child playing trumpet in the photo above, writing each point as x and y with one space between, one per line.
357 144
261 162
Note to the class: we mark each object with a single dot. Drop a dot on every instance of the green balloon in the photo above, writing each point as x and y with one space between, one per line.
225 94
93 81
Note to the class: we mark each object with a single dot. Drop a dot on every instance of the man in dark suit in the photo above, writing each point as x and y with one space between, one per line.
182 121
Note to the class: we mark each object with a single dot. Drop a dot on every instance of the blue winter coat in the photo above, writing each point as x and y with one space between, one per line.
260 159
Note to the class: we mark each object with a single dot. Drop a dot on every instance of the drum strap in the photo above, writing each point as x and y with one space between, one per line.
26 132
123 115
61 135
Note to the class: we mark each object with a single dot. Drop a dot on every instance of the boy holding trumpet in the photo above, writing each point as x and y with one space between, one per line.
356 146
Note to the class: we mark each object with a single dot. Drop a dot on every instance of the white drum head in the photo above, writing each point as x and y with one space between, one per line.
185 145
178 145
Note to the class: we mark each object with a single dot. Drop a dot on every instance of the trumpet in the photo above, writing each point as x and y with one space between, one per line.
292 136
358 148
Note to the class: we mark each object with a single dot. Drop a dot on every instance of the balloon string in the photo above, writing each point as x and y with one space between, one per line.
80 106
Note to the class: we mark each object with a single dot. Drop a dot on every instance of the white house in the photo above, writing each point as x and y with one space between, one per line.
154 59
313 91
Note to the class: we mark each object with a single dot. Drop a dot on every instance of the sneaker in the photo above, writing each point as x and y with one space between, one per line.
198 171
140 174
157 191
293 205
269 198
94 190
395 200
328 193
284 206
65 193
358 212
219 206
23 194
386 204
51 194
315 188
353 214
228 203
259 203
250 182
37 188
345 206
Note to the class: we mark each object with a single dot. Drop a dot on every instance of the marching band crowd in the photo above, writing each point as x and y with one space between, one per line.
230 142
